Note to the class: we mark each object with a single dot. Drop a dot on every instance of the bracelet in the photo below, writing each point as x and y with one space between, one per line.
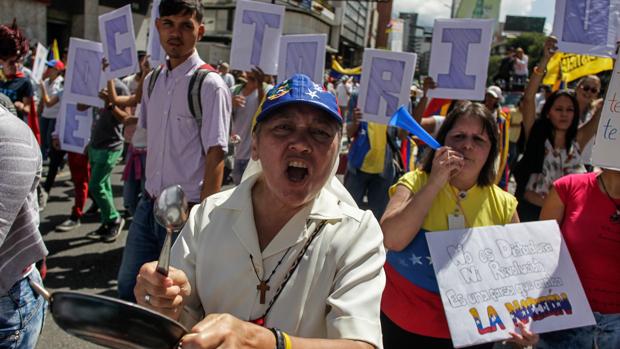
287 341
279 338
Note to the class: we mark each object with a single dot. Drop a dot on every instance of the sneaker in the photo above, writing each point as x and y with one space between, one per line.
113 230
97 234
42 198
68 225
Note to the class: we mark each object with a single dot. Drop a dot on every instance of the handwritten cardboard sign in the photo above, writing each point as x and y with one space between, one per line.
39 62
156 53
607 142
303 54
587 27
256 36
386 82
492 277
119 42
84 77
74 127
460 58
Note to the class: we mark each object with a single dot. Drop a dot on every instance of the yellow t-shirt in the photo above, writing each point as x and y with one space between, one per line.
483 206
374 162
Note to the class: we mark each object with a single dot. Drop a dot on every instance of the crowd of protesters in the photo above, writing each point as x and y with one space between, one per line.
498 164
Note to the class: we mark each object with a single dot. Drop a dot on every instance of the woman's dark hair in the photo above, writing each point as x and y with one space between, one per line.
181 7
475 111
12 41
543 130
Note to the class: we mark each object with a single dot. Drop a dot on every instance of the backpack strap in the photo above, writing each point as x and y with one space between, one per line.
153 79
193 92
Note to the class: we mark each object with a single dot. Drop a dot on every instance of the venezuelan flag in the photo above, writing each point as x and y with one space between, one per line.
437 106
338 71
54 52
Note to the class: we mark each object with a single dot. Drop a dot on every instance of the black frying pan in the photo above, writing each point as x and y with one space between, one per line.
111 322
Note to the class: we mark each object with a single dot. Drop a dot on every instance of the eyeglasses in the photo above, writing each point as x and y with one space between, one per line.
587 88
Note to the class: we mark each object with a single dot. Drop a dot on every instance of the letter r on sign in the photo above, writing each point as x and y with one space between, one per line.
386 76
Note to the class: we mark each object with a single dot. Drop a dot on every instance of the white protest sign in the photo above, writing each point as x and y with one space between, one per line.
607 143
304 54
386 82
39 62
491 277
460 58
256 36
156 53
84 78
119 42
587 26
74 127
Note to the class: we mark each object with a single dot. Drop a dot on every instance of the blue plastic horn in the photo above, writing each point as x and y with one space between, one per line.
402 119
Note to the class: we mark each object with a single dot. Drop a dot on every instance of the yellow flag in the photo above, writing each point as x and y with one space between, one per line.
569 67
55 51
346 71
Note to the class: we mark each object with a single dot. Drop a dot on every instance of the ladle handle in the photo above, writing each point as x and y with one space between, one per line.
163 264
40 290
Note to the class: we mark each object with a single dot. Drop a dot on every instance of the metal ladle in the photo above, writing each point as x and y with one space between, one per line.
170 211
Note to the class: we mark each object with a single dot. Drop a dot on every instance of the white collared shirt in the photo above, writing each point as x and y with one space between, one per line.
334 293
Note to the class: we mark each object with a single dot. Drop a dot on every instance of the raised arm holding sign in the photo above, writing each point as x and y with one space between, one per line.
460 58
256 36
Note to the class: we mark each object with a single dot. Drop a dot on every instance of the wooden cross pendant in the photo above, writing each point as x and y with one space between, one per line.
263 288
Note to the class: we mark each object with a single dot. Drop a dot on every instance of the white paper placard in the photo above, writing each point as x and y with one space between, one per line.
303 54
119 42
460 58
84 78
74 127
607 142
492 277
386 83
39 62
156 53
587 26
256 36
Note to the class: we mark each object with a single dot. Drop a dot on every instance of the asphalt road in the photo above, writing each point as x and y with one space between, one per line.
75 261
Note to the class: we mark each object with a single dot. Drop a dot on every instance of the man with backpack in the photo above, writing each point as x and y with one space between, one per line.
186 112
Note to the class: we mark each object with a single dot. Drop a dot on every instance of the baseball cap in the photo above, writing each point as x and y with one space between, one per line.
496 92
57 64
299 89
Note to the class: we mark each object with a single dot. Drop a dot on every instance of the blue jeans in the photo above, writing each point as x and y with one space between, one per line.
144 242
47 127
22 312
604 335
374 186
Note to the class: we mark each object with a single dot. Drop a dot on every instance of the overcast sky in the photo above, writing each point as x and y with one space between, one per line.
428 10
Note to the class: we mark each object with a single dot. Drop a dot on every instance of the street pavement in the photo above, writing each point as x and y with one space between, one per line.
75 261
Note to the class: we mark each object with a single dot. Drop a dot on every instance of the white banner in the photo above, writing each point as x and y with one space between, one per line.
304 54
156 53
74 127
492 277
607 143
460 58
39 62
386 83
119 42
84 78
256 36
587 26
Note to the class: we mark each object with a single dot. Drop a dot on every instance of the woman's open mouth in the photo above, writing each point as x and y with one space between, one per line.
296 171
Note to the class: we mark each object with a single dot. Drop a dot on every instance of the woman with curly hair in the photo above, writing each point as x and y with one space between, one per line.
14 84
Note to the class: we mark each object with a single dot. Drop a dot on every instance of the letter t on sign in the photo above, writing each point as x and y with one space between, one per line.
260 20
460 39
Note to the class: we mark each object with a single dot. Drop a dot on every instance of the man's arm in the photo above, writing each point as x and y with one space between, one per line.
214 172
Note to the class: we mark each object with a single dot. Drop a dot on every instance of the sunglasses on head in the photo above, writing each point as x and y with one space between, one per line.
589 89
